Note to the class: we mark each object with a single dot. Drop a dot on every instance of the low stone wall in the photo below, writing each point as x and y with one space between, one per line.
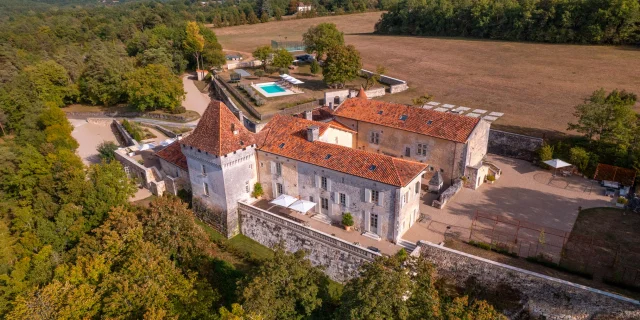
395 85
513 145
340 258
118 114
128 140
375 92
541 295
134 169
448 194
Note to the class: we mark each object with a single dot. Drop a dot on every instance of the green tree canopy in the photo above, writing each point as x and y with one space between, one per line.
284 287
102 81
153 87
322 39
263 53
282 58
194 42
342 64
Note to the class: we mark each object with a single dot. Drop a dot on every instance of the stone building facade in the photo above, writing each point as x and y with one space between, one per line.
452 144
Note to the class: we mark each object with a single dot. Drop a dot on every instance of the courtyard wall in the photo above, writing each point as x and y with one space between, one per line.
513 145
340 258
541 295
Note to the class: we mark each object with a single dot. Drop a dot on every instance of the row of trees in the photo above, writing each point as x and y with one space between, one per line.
557 21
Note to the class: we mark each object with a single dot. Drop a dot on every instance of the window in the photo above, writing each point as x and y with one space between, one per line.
246 187
310 198
279 168
375 196
324 202
204 170
374 222
343 199
336 140
405 197
374 138
279 189
206 190
431 168
417 187
323 183
336 100
407 152
422 149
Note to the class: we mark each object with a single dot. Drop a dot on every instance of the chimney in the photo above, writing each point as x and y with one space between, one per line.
313 133
308 115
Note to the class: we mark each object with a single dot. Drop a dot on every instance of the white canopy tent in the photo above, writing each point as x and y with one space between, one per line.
302 206
283 200
557 163
291 79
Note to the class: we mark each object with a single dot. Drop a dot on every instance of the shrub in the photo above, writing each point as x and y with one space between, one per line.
489 247
580 158
257 190
179 110
347 219
259 73
315 67
107 150
622 200
283 71
133 130
491 178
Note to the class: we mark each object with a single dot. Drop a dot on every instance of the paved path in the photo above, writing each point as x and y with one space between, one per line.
194 99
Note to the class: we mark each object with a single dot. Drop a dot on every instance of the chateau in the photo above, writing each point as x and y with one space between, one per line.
370 161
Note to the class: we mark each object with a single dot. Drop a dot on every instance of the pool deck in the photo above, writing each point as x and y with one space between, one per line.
286 91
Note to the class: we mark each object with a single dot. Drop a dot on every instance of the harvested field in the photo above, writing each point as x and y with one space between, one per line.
535 85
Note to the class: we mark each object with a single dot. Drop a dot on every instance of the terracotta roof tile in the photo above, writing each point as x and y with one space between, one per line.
286 136
173 154
340 126
215 131
319 114
432 123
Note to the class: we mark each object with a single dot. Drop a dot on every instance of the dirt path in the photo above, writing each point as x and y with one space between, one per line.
194 99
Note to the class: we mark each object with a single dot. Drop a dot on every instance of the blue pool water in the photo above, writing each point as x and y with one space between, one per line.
272 88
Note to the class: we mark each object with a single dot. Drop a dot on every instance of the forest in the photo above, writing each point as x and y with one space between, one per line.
74 247
553 21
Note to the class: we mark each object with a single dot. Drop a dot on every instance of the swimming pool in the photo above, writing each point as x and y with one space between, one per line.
272 88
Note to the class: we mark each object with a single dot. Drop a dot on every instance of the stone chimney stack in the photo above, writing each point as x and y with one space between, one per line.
308 115
313 133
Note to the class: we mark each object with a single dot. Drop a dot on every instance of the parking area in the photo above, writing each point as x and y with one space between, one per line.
527 202
89 135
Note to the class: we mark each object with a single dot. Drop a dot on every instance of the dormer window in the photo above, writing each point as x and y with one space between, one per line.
403 117
380 112
429 122
281 146
327 157
372 167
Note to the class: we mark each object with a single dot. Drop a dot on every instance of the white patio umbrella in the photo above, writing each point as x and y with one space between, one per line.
283 200
557 163
302 206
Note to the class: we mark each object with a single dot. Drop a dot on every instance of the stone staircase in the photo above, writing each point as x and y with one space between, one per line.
407 245
322 218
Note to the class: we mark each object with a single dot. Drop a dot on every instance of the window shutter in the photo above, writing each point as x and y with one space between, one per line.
273 167
317 181
328 184
367 195
318 206
336 197
347 201
275 189
380 198
367 222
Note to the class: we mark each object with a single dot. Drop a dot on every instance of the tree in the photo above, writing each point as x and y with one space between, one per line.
608 118
157 56
580 158
259 73
342 64
314 67
109 187
154 87
51 82
322 39
3 120
212 55
104 75
263 53
107 150
282 58
374 77
284 287
194 42
237 313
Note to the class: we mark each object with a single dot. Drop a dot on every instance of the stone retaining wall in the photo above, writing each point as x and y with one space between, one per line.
128 140
513 145
448 194
395 85
118 114
341 258
375 92
541 295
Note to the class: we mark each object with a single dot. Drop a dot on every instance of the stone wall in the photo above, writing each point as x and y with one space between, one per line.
513 145
541 295
126 137
128 114
375 92
448 194
340 258
395 85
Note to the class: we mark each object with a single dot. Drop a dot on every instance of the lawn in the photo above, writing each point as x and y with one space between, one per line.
535 85
606 241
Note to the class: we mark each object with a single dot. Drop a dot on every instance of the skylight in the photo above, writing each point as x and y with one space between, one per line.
380 112
281 145
429 122
372 167
328 156
403 117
